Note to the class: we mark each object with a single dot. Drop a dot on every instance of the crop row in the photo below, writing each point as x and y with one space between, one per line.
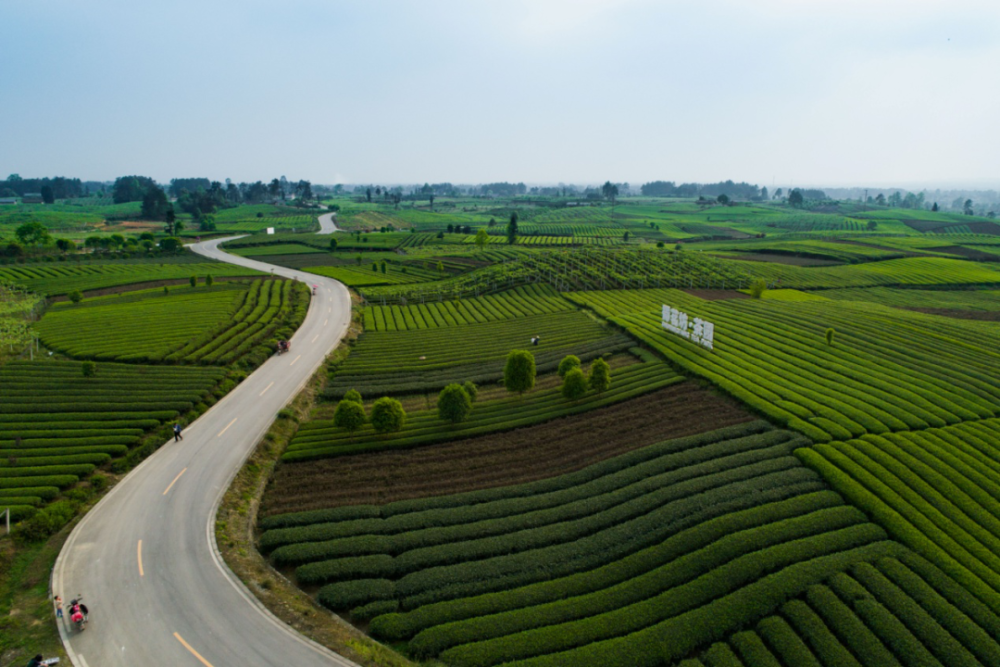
519 302
886 370
56 425
933 490
320 439
723 523
895 611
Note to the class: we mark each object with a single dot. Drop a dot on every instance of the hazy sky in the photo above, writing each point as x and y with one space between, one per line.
808 92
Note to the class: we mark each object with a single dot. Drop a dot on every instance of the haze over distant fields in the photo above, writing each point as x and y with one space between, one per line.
827 92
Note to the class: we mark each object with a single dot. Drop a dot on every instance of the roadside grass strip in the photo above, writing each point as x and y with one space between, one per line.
887 370
58 279
418 360
934 490
646 556
321 439
895 611
57 426
519 302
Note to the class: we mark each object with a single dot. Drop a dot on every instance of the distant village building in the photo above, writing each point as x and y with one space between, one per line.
7 201
32 198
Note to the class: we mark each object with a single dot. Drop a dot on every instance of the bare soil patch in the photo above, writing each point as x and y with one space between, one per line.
513 457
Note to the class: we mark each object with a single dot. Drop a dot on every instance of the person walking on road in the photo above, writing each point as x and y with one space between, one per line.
59 607
177 432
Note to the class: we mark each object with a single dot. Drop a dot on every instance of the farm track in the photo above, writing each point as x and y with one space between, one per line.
145 557
523 455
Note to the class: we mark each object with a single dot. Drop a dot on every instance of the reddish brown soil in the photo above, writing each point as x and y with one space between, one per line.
523 455
716 294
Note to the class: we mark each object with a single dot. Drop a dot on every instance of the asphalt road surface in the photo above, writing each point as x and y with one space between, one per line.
145 558
326 224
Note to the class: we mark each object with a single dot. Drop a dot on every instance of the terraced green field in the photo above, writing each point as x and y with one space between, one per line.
887 370
419 360
57 426
208 325
59 279
637 560
519 302
895 611
933 490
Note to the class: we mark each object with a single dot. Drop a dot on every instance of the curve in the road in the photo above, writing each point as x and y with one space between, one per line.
145 556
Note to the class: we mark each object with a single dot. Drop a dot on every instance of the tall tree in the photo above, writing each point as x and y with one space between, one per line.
795 197
512 229
154 204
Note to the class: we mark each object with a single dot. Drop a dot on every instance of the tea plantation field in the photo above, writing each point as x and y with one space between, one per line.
885 370
209 325
57 426
639 560
59 279
414 361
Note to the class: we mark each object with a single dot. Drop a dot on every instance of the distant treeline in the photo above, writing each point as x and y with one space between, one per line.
57 187
728 188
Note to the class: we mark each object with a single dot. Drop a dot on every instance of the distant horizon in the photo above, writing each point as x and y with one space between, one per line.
982 186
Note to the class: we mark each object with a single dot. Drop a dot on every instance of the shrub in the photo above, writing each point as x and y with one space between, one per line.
350 415
75 296
600 376
574 385
46 522
454 404
388 415
286 413
519 371
209 280
829 336
757 287
471 389
333 244
194 281
352 395
166 290
88 368
99 482
567 364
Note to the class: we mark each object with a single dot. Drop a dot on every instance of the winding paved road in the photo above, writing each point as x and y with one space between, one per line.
145 557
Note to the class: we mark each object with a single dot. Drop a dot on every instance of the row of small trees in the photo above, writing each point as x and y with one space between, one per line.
456 400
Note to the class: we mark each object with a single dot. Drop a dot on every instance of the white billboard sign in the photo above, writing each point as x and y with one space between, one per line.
694 329
270 230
